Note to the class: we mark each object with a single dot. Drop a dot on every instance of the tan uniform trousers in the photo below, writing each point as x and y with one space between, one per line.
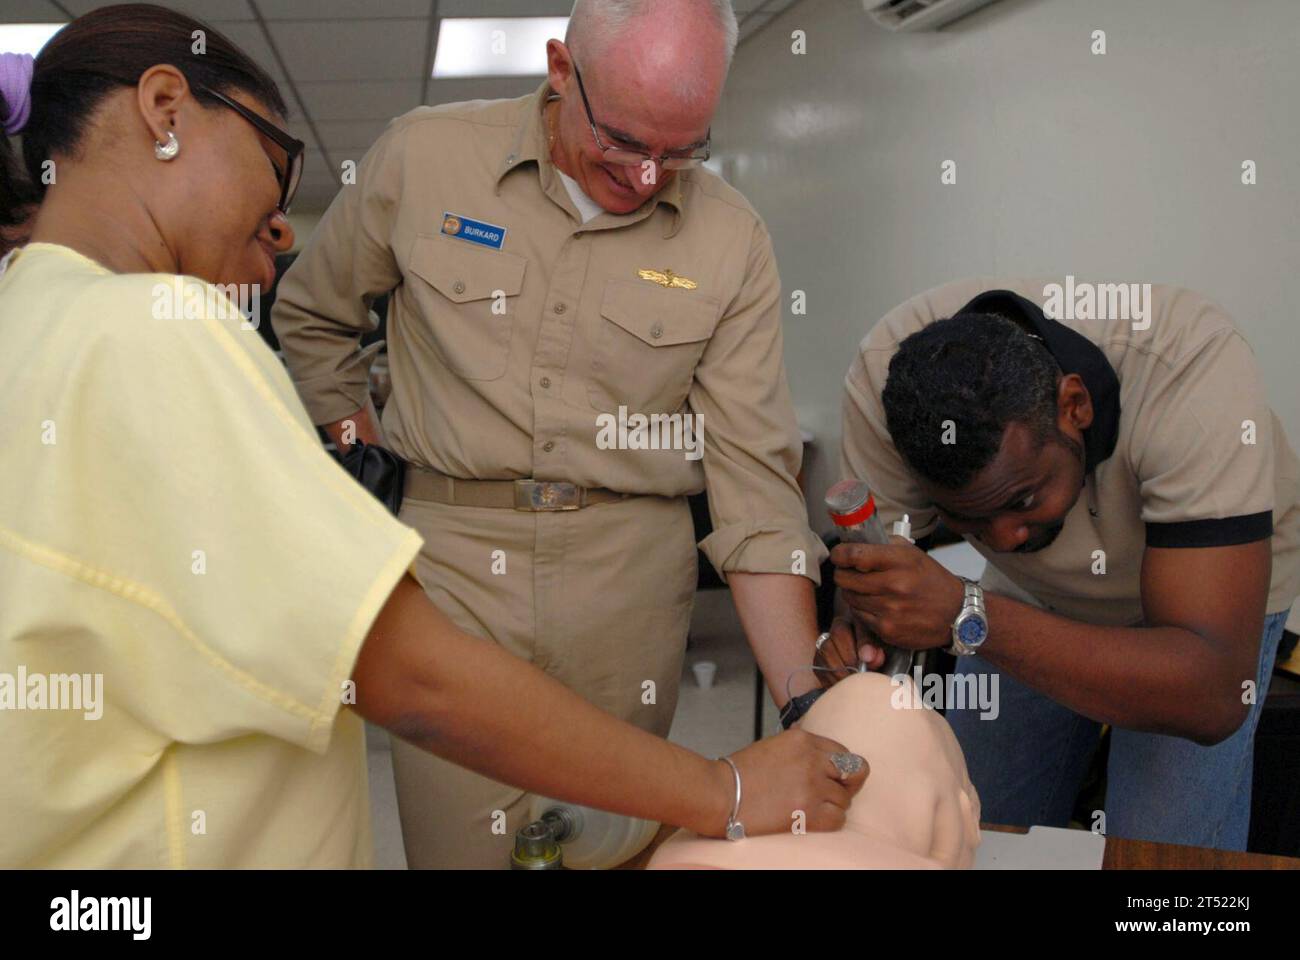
599 598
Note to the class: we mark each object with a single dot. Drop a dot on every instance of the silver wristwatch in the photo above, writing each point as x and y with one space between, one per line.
971 628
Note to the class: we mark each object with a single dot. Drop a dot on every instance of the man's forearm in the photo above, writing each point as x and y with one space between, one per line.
779 614
362 425
1132 677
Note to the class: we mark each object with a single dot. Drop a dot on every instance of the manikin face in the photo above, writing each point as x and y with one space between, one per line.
917 809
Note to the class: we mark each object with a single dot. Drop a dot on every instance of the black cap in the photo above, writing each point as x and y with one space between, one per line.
1074 353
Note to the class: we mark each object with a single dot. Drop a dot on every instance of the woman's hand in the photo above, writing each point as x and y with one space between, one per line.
789 782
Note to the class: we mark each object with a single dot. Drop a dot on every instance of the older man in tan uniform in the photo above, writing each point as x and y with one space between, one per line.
560 267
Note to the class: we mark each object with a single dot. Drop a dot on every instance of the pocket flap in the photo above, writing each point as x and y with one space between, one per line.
657 316
462 271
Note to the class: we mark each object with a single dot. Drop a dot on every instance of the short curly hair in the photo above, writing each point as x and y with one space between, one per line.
980 371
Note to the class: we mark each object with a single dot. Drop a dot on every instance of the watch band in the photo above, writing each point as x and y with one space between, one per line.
973 599
798 706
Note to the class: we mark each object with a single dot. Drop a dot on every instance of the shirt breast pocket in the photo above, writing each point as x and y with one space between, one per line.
647 346
463 294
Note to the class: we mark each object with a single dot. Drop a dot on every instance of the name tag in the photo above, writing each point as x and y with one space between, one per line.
475 231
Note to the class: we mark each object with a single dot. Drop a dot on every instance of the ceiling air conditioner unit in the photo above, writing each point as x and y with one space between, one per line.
900 15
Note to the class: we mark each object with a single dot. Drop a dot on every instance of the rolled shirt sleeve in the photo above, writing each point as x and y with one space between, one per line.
322 305
752 445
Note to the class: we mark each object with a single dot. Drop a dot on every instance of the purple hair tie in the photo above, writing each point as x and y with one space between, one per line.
16 88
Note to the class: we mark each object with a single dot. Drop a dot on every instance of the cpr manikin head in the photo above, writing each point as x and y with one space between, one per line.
917 809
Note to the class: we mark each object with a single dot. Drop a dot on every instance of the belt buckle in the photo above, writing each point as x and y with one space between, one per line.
547 495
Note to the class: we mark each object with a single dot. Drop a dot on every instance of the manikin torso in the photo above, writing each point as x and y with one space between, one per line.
917 810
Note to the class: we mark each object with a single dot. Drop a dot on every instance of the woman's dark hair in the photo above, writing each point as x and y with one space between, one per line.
103 51
976 373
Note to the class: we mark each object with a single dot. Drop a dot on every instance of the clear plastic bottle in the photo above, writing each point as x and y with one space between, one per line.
853 510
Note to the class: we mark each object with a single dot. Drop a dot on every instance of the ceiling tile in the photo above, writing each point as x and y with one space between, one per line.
315 187
248 37
504 8
319 184
320 50
209 10
350 137
323 178
314 196
360 99
480 88
313 166
343 9
31 11
314 199
754 22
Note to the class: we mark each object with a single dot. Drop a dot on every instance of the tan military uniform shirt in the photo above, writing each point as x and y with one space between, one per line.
504 359
1196 456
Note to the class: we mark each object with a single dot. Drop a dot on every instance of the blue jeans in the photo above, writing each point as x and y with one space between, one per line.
1029 762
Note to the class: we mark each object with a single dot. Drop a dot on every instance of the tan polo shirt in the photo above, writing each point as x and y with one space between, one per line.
506 354
1168 460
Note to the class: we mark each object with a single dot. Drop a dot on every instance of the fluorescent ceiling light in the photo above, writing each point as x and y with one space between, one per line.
495 47
26 37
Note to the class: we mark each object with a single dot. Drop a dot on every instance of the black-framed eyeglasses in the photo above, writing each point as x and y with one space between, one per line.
633 158
291 175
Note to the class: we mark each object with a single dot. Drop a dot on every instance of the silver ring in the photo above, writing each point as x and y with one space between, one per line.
847 764
821 640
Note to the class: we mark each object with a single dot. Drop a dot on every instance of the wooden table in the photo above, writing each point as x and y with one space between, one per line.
1120 854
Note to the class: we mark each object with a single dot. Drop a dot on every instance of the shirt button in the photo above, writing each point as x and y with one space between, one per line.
548 446
546 382
657 331
560 308
459 286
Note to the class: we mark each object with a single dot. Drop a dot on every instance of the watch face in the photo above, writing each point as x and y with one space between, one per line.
972 631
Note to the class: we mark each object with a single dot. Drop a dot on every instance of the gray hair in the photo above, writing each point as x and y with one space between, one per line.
594 22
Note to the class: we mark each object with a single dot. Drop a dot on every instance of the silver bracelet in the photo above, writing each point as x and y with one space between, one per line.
735 829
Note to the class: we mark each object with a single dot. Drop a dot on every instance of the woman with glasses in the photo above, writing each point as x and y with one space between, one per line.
179 628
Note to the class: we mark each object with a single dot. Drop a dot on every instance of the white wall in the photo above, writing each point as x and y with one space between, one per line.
1118 167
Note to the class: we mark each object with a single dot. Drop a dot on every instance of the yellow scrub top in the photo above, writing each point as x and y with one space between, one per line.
186 579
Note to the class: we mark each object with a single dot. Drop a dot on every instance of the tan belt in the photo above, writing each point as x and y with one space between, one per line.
530 495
